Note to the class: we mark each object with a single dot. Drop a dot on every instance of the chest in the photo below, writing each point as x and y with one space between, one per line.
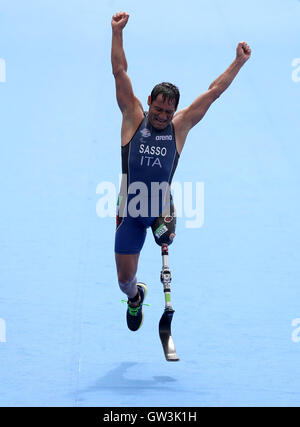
152 151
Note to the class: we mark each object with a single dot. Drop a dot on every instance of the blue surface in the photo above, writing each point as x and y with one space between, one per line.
235 280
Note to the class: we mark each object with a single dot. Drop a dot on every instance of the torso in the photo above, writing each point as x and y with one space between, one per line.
151 156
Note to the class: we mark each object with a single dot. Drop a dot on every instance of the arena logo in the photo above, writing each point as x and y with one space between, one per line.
164 138
296 71
296 332
188 200
2 331
2 71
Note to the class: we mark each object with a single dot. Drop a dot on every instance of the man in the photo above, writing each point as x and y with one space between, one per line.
151 146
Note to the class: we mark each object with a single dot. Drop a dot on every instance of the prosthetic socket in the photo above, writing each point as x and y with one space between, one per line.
164 225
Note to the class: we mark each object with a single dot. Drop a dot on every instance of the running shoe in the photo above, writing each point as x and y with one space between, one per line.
135 315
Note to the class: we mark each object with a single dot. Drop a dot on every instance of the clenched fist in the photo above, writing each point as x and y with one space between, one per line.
119 20
243 52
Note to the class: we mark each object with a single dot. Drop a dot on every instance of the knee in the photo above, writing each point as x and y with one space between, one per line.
165 239
125 278
128 285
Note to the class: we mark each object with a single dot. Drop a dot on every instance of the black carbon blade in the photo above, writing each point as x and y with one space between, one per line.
166 337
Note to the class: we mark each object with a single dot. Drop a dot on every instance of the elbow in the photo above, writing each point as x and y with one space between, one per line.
116 71
215 92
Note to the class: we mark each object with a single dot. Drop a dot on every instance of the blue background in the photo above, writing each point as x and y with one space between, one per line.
235 280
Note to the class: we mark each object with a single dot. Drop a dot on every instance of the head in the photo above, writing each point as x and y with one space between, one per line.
163 103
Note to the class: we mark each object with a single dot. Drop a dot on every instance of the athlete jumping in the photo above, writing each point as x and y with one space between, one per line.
151 144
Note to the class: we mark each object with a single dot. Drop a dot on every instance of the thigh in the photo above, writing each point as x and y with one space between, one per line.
130 236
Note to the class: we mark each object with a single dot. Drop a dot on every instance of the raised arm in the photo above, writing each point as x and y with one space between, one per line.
125 96
190 116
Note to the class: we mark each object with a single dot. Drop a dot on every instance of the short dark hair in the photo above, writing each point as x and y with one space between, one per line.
168 91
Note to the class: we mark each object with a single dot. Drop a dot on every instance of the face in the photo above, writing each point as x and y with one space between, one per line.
161 112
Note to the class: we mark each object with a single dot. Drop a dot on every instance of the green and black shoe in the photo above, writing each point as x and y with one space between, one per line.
135 313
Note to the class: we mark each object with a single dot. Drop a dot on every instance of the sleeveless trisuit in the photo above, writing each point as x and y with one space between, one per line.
149 161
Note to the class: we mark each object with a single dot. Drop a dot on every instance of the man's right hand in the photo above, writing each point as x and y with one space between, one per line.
119 21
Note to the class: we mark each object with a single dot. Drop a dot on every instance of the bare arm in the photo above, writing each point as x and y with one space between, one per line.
118 58
190 116
125 96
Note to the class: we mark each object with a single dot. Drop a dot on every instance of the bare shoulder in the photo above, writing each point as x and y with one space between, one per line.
131 119
187 118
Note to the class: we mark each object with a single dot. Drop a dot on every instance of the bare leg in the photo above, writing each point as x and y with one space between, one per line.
126 268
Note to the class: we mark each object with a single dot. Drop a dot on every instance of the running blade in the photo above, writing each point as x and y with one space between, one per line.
166 337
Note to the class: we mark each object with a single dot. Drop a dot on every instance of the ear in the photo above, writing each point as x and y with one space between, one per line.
149 100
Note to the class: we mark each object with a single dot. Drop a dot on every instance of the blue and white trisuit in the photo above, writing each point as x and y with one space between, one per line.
149 161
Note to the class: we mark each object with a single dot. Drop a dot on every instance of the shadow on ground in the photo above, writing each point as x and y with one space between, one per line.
116 381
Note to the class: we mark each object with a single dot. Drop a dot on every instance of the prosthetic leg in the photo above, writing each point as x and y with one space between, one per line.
163 230
166 318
